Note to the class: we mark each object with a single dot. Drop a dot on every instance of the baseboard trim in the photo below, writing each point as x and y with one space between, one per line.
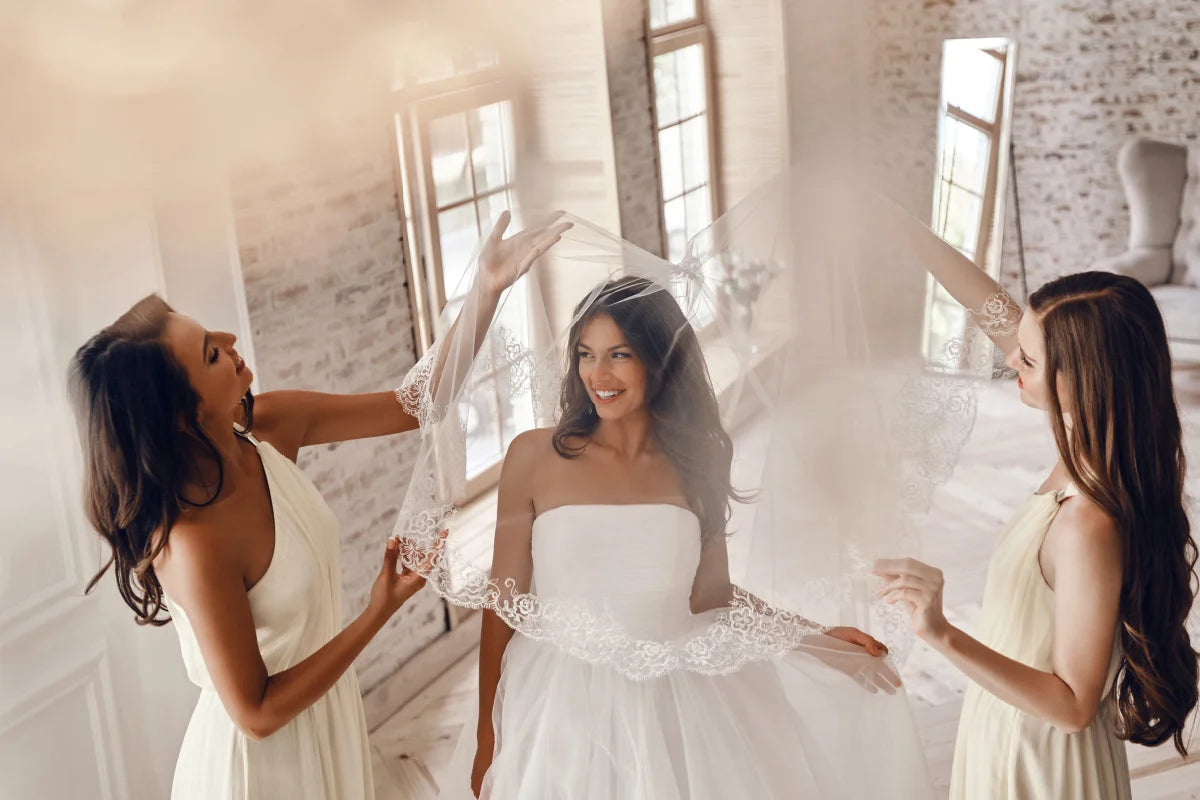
382 702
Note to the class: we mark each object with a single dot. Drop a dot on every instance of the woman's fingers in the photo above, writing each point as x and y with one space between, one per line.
902 582
500 227
913 598
895 567
390 554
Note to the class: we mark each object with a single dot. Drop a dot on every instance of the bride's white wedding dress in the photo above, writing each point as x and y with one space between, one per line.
789 728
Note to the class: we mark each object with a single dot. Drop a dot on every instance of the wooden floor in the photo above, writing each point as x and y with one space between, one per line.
1007 457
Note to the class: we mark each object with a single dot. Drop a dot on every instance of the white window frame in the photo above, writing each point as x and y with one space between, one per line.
680 35
414 110
997 134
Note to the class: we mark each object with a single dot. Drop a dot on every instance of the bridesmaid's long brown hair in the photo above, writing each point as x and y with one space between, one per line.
1108 362
138 424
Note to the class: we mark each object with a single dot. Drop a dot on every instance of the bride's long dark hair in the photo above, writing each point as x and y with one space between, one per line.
679 394
1107 357
138 424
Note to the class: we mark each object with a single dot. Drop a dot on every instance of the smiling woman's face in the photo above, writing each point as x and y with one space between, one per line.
612 373
214 369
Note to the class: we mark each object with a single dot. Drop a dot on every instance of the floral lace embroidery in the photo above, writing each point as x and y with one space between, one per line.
413 394
999 316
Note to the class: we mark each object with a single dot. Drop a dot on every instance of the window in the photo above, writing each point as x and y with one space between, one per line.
681 48
456 141
972 125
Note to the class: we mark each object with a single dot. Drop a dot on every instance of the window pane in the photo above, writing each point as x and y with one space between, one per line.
972 80
675 221
689 72
518 416
490 208
970 157
666 89
448 159
962 219
481 421
694 136
699 215
947 322
491 142
670 12
514 315
670 157
458 234
943 197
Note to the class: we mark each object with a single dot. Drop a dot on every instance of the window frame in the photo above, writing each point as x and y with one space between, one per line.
668 39
413 110
997 133
993 131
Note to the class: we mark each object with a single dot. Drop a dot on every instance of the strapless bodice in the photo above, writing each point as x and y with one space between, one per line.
637 562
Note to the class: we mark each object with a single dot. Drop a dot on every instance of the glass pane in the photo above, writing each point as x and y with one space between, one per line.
675 221
670 158
969 168
666 89
694 136
491 143
943 196
689 72
517 411
458 234
481 421
947 321
518 416
670 12
490 208
962 219
972 80
448 159
514 314
699 214
948 133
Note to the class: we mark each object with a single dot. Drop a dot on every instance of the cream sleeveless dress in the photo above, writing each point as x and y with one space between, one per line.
323 753
1002 752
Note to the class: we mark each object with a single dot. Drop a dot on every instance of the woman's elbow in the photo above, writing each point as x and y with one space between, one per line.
254 724
1077 720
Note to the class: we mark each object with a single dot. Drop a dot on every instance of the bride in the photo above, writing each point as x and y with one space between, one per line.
651 629
625 504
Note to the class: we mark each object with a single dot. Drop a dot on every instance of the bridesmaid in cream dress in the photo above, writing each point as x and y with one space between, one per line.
195 506
1082 642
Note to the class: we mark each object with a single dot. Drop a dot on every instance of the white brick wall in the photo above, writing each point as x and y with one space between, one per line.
1090 75
319 240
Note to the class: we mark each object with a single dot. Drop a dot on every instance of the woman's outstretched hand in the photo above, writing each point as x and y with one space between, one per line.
843 649
502 261
393 588
919 587
863 640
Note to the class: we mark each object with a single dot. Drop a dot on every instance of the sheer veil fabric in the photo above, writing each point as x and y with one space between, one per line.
809 321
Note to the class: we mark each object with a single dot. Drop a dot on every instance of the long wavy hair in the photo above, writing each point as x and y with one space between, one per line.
139 427
1107 359
679 394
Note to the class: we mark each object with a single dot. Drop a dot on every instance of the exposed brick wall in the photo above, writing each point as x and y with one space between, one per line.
1090 75
748 66
748 62
631 98
320 245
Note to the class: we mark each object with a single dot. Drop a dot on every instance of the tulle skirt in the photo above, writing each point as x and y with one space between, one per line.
789 728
